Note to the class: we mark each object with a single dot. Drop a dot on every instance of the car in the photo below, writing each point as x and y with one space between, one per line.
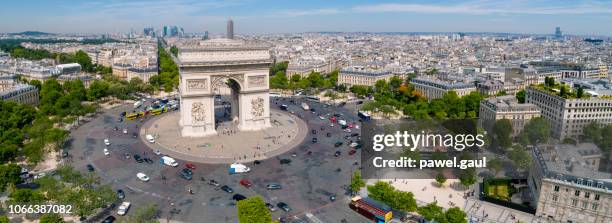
120 194
270 207
190 166
246 183
125 131
283 206
227 189
354 134
134 135
274 186
328 134
187 171
109 219
106 152
120 119
322 128
238 197
138 158
123 208
157 152
314 139
107 142
352 152
347 130
213 183
353 145
321 117
90 168
257 162
115 129
338 144
337 153
359 102
285 161
127 156
143 177
185 175
332 197
314 131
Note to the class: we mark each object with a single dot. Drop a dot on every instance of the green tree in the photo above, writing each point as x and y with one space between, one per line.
51 218
384 192
495 165
520 158
580 92
455 215
4 219
9 174
97 89
537 130
83 59
502 132
467 177
253 210
26 196
432 212
280 66
356 182
174 51
36 83
279 81
520 96
591 132
440 178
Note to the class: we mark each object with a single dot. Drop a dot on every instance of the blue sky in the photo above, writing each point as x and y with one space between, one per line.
286 16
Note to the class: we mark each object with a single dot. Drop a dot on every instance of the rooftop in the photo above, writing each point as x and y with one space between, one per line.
567 163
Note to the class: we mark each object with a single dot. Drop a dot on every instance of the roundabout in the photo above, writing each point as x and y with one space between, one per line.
229 145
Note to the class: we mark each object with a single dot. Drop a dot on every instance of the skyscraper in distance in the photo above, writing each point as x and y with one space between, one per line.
558 33
230 29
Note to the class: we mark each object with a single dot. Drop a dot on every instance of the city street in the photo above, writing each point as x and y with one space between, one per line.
307 181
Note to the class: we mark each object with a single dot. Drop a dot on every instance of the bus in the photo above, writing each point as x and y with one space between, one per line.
131 116
363 116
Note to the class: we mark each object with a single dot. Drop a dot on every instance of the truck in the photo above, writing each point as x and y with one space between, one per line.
137 104
238 168
150 138
305 106
123 208
169 161
371 209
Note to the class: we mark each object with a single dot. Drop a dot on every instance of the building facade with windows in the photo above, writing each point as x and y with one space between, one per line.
566 185
352 76
568 116
21 93
433 88
506 107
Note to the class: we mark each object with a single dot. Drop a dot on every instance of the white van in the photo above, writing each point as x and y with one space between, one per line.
150 138
238 168
169 161
123 208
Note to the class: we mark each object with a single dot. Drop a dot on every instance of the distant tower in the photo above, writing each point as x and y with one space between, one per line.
558 33
230 29
205 35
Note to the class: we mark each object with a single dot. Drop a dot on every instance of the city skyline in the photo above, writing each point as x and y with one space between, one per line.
259 17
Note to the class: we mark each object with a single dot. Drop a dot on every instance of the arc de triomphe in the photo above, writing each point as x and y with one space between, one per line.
242 65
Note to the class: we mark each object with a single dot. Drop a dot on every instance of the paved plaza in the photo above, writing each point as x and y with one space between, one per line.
229 145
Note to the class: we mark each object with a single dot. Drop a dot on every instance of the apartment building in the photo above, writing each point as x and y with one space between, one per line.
566 185
357 76
506 107
20 93
432 87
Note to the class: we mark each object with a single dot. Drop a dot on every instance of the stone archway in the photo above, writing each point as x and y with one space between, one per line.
204 67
